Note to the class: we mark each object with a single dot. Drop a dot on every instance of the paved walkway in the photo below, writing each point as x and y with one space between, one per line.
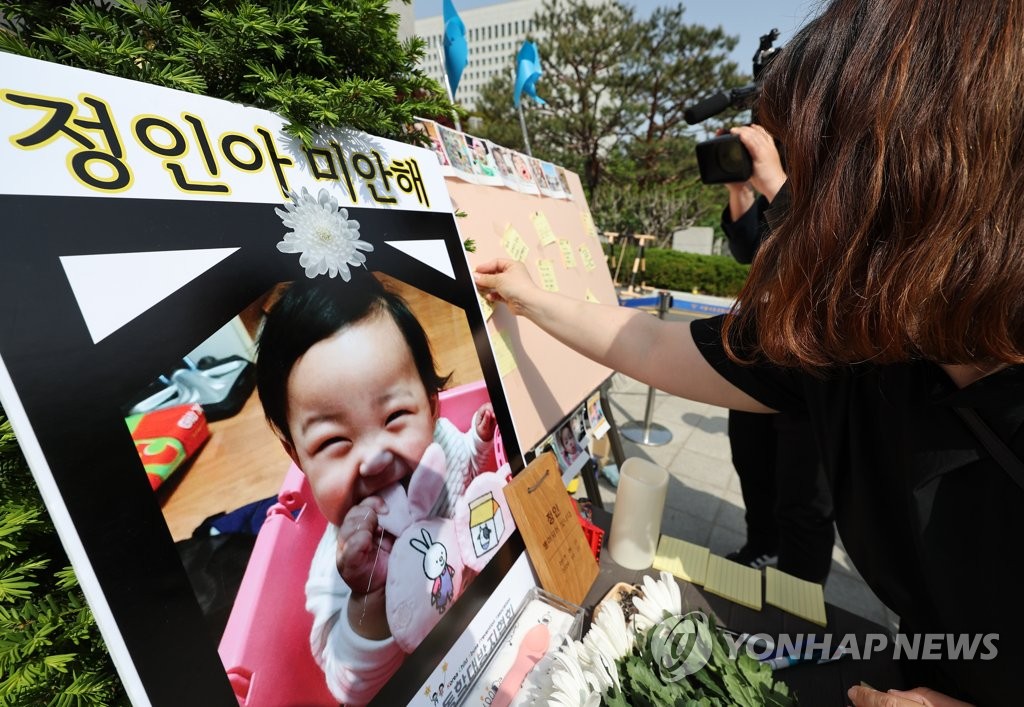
704 504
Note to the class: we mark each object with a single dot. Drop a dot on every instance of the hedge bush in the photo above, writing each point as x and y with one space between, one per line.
669 269
51 651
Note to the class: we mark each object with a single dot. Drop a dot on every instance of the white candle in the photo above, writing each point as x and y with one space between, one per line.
636 522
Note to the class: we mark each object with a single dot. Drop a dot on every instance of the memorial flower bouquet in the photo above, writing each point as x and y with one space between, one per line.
645 650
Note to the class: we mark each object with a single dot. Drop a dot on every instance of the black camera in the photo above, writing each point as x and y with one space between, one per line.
724 159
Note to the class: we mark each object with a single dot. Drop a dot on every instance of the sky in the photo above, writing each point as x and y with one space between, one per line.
748 19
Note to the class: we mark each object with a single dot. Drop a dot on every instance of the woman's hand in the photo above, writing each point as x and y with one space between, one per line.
506 281
863 696
767 176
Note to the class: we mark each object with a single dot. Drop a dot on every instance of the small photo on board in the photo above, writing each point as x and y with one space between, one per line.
431 130
483 160
597 423
458 152
570 440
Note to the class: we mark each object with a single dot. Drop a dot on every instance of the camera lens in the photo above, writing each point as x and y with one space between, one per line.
731 157
723 159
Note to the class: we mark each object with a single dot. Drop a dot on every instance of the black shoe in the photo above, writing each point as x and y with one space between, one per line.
751 557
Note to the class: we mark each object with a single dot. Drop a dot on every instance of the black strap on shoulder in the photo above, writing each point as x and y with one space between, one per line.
1000 452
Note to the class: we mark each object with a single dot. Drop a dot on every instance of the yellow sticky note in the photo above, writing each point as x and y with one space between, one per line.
591 297
587 258
568 258
544 230
685 560
503 354
488 310
797 596
514 244
547 275
588 223
734 581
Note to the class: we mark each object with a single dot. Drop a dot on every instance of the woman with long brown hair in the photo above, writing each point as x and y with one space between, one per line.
888 304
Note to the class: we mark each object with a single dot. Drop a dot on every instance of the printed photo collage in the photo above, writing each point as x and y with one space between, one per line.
474 159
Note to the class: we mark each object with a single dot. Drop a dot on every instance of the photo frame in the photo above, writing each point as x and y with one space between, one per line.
143 221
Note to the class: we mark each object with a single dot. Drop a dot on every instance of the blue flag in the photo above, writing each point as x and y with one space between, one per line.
527 72
456 50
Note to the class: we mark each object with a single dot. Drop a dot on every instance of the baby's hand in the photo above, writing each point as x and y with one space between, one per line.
364 548
486 422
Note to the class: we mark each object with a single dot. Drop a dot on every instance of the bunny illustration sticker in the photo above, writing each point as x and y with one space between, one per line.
433 557
436 567
425 569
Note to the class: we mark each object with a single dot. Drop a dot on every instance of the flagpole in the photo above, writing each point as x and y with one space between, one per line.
448 88
522 124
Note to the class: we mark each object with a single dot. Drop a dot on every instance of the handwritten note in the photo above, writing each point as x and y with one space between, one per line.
591 297
514 244
734 581
797 596
685 560
568 258
547 275
503 355
587 258
544 230
588 223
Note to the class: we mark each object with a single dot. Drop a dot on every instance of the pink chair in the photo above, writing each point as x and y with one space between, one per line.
265 646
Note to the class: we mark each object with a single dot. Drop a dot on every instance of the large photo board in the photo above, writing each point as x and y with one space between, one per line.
146 227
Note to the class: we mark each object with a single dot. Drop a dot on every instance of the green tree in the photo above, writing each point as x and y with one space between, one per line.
674 65
581 46
616 88
322 63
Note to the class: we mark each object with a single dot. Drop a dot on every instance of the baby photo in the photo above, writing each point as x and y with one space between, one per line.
570 441
483 160
430 129
458 151
371 391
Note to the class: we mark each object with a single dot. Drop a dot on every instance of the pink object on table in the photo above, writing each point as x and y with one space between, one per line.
531 650
265 646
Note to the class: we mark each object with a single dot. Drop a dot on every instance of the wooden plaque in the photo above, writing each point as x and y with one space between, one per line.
551 530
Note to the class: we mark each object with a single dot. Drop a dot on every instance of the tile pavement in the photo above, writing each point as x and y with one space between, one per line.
704 504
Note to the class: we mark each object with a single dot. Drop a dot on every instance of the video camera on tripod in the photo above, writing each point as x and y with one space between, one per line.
724 158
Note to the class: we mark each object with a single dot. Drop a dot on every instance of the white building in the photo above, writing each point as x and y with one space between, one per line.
494 35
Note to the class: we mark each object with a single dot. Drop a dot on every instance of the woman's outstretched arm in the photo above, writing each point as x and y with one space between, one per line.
657 352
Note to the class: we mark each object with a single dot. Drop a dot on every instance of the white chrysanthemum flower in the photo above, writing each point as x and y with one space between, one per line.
563 677
322 233
608 640
574 685
661 598
537 686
